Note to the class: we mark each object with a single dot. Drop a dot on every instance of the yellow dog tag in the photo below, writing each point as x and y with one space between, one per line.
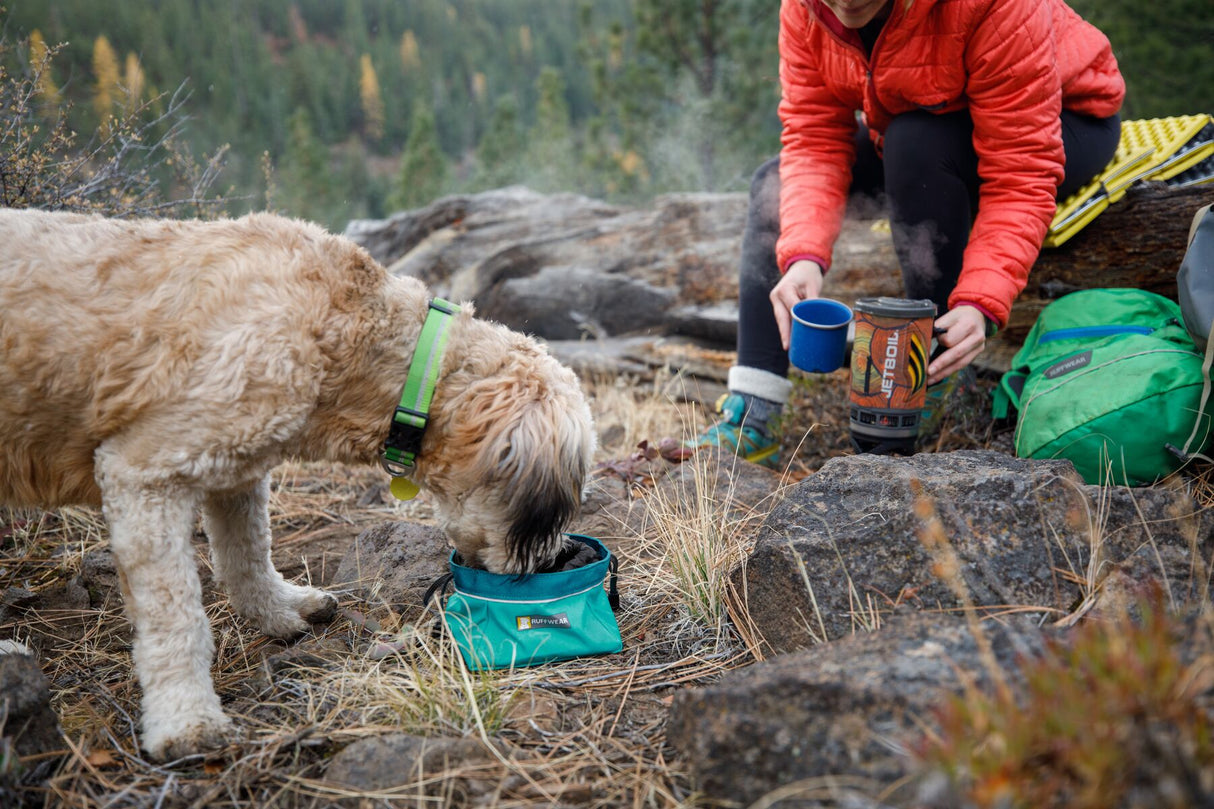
403 489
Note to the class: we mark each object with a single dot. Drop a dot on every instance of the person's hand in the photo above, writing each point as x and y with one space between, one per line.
965 337
803 280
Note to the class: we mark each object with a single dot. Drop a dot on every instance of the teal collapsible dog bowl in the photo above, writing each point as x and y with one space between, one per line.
505 621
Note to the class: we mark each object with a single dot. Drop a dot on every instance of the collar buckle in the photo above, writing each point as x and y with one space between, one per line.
407 427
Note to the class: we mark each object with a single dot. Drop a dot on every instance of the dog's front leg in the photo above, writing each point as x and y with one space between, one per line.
238 525
151 524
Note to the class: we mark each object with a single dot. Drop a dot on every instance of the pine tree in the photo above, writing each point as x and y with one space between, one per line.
423 167
627 94
499 151
105 70
551 156
410 56
480 86
718 59
298 27
1164 52
372 100
355 26
133 81
306 179
524 41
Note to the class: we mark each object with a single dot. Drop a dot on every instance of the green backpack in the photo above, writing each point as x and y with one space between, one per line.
1111 380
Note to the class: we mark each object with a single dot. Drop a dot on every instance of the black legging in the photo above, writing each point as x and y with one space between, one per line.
929 179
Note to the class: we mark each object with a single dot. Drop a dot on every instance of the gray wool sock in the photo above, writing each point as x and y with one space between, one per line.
765 394
760 413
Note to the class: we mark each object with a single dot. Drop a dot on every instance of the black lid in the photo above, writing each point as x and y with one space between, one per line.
897 307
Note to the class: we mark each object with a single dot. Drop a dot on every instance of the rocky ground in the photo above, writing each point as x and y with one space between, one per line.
789 636
371 710
587 732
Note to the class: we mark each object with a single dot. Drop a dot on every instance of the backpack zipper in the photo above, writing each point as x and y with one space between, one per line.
1091 331
1103 331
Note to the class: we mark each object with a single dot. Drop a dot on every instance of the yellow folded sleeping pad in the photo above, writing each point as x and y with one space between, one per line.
1178 151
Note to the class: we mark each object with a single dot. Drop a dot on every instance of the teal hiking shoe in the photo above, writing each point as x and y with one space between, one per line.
732 433
934 406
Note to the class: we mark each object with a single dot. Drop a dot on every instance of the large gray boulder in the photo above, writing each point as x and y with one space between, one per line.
846 710
933 531
564 266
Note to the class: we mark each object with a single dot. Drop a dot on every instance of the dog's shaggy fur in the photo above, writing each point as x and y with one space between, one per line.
156 367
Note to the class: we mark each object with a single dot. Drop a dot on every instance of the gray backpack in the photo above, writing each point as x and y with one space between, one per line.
1195 282
1196 278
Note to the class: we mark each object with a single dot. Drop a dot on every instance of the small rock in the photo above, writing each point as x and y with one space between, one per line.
311 653
18 597
431 767
394 563
28 726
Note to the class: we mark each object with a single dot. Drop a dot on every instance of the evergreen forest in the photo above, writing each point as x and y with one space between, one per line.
340 109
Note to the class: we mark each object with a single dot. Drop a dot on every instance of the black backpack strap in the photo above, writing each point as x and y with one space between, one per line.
439 586
613 593
1008 393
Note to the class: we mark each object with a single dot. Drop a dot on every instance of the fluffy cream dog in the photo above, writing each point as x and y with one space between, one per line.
158 367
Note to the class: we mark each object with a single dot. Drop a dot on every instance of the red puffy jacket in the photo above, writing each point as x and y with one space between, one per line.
1013 63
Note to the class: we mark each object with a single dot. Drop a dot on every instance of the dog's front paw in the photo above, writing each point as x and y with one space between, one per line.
171 738
320 609
293 610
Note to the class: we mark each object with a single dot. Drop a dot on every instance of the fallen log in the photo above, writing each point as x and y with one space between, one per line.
1136 242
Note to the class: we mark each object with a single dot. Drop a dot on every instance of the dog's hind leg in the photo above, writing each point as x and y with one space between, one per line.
238 525
151 524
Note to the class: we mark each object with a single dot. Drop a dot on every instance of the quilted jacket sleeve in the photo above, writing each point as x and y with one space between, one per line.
1015 99
818 147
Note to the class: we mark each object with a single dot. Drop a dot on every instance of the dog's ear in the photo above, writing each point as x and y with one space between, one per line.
357 276
547 460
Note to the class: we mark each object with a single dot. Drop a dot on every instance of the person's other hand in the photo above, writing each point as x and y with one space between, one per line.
965 337
803 280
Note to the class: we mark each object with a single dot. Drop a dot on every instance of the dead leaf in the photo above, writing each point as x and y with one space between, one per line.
101 759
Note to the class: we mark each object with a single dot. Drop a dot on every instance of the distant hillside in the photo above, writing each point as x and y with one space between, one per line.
361 107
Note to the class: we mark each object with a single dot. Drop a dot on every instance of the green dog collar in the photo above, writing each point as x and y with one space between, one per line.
404 440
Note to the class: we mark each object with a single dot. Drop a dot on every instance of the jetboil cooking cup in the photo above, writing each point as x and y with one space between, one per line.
889 359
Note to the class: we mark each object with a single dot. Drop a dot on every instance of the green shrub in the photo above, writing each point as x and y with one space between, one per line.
133 165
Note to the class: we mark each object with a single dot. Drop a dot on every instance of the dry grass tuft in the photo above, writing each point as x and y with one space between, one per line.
697 539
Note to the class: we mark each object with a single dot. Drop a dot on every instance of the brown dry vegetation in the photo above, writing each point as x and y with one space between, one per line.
582 733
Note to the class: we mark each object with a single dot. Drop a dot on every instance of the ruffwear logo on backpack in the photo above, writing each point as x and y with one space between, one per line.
1069 364
558 621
